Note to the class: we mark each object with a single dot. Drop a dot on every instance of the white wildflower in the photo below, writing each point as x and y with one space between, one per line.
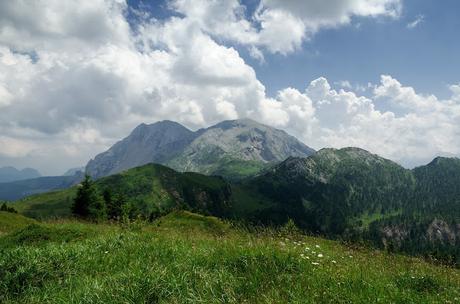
320 255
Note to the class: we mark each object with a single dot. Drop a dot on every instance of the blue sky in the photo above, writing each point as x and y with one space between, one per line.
377 74
425 57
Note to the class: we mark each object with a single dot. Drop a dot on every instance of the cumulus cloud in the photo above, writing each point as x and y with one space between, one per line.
285 24
279 26
76 77
427 127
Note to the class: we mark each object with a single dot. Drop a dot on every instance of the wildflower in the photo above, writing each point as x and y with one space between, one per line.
315 263
307 248
106 252
320 255
334 261
317 246
350 256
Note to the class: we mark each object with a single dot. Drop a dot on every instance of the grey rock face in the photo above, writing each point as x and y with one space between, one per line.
172 144
243 140
155 143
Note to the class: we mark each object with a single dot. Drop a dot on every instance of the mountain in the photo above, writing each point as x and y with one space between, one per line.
155 143
10 174
430 221
332 190
341 193
233 148
18 189
354 194
236 146
73 171
150 189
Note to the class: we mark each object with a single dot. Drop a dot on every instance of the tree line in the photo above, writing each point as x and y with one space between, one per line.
90 203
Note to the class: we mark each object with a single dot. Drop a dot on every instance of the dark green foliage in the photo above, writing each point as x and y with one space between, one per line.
88 203
4 207
115 204
352 194
326 192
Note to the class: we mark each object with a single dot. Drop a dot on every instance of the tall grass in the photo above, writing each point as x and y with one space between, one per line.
187 258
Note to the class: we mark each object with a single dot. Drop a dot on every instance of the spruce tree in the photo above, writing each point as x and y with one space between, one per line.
114 204
88 203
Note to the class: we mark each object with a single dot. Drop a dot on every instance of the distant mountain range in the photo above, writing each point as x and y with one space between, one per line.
348 193
11 174
73 171
268 178
234 149
12 191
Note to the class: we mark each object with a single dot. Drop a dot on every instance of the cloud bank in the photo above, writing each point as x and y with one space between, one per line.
77 76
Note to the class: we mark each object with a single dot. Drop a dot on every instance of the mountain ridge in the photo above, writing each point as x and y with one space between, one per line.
211 150
11 174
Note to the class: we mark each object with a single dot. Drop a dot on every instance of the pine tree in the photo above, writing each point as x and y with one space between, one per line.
88 203
114 204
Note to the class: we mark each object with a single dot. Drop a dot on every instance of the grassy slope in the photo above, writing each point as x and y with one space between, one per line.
47 205
150 187
188 258
11 221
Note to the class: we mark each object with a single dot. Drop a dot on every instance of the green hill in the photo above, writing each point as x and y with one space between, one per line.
13 221
353 194
189 258
152 189
347 193
332 191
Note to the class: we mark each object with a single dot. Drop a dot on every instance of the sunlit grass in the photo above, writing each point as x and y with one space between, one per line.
187 258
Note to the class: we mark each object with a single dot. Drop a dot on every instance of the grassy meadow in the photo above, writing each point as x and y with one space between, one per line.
189 258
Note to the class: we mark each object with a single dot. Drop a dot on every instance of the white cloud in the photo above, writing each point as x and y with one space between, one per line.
12 147
75 78
279 26
417 21
286 24
428 127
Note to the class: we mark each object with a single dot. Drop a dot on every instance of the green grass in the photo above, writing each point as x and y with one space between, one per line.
46 205
11 221
188 258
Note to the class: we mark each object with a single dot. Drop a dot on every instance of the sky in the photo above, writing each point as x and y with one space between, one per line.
77 76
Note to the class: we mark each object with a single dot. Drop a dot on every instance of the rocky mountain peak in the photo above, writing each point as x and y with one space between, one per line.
170 143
